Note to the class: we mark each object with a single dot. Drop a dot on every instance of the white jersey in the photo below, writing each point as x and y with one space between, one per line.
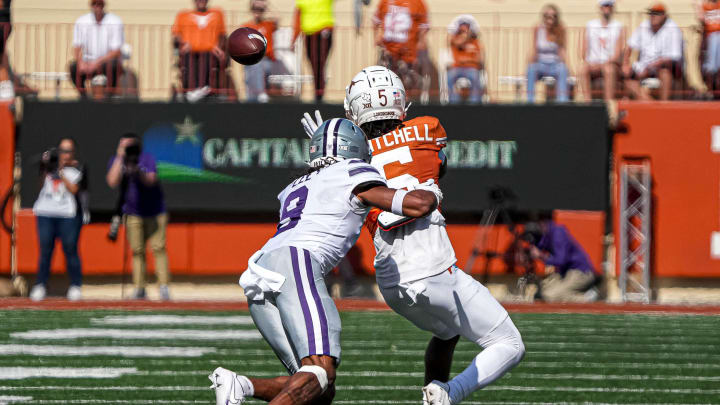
421 248
601 40
413 251
321 214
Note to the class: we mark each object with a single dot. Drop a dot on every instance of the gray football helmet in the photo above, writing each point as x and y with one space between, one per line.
338 139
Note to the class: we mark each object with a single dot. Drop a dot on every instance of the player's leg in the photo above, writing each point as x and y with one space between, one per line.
438 358
458 295
312 323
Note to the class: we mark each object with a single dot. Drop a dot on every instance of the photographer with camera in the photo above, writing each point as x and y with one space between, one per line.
570 275
143 207
57 213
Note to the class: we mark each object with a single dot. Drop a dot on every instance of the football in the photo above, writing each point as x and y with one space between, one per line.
246 46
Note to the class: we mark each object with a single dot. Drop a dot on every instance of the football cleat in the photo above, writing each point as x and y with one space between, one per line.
436 393
228 390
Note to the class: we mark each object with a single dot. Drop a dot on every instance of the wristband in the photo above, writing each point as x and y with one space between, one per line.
397 202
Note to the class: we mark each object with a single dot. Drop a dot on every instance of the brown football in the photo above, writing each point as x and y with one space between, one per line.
247 46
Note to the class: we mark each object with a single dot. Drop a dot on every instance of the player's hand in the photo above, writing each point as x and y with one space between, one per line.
309 125
430 186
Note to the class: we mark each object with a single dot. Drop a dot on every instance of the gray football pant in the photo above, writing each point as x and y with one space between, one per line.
301 319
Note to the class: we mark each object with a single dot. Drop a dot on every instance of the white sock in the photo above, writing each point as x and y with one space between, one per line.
503 351
247 387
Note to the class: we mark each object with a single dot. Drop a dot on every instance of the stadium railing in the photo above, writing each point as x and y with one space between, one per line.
40 52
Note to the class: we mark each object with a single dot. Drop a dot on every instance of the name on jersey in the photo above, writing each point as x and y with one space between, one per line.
401 136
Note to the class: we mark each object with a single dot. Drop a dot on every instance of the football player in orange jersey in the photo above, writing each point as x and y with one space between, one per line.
415 263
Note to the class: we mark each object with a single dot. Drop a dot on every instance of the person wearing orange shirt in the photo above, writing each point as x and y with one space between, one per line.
199 36
415 263
400 30
256 75
708 12
468 58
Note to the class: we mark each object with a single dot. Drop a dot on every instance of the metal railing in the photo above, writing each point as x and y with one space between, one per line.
40 55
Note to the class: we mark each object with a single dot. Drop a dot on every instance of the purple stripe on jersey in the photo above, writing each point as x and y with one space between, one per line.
303 300
355 161
337 123
318 304
364 169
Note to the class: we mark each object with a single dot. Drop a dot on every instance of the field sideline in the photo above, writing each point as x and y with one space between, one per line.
156 353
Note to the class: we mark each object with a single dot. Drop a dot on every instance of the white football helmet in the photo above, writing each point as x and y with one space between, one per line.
376 93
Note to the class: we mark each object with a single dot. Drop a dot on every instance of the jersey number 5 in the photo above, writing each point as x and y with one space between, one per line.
401 155
292 210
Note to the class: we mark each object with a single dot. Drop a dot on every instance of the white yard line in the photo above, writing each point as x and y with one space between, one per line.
682 391
9 399
139 320
19 373
122 351
181 334
409 375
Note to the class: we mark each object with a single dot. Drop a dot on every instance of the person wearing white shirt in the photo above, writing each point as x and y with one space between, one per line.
97 39
659 44
602 49
56 211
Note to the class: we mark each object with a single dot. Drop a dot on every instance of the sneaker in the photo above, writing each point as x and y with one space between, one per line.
74 293
138 294
436 393
263 98
164 293
227 387
591 295
38 292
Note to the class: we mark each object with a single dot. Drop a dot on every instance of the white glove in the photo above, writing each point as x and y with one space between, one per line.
430 186
309 125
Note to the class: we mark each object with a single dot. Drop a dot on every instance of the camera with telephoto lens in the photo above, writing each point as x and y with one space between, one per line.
50 161
132 154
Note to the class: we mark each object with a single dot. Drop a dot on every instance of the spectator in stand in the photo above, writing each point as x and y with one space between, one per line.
135 173
7 90
708 13
547 58
315 20
659 43
97 39
602 48
199 36
571 275
256 75
468 57
400 30
58 216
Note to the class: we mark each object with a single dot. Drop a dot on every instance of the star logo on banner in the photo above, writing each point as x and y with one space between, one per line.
187 131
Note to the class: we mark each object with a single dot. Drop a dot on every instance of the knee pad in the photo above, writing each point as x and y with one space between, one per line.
319 372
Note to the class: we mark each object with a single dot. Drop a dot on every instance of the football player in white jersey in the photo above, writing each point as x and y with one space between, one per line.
321 216
415 261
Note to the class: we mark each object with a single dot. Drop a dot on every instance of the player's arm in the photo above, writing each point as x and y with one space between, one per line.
415 203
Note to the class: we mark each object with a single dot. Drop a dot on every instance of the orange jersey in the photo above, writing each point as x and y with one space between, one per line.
401 22
468 55
201 30
408 155
711 13
267 28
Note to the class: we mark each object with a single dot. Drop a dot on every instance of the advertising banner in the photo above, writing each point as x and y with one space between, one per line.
236 158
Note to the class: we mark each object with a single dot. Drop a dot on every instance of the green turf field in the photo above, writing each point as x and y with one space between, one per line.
101 357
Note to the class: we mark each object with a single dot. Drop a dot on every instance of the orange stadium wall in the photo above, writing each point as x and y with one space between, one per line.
682 141
223 249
